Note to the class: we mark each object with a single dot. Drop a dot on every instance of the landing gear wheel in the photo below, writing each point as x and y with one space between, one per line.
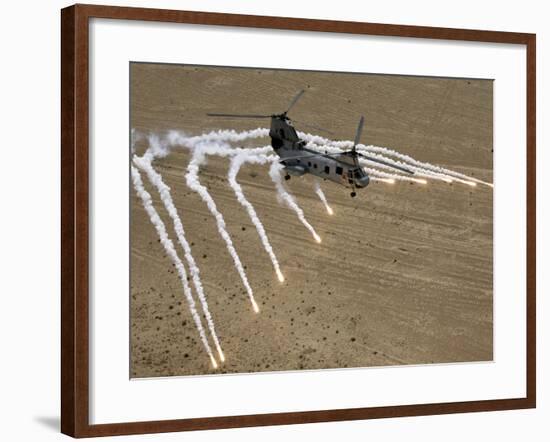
353 194
287 177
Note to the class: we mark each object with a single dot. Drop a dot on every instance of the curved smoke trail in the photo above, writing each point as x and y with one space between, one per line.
236 162
275 174
418 171
144 163
194 184
178 138
171 252
322 197
457 176
347 144
217 143
428 170
392 176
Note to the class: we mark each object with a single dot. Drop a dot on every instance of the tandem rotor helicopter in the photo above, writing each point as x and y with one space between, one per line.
342 168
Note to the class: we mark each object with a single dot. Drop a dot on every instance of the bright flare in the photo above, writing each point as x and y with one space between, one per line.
144 163
384 180
170 250
322 197
214 363
471 183
255 307
193 182
283 195
236 164
222 356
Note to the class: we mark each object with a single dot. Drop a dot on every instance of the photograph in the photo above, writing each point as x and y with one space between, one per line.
267 221
285 220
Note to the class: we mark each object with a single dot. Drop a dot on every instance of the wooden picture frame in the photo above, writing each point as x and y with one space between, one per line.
75 218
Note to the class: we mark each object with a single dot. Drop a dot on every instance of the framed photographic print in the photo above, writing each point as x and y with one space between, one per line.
272 220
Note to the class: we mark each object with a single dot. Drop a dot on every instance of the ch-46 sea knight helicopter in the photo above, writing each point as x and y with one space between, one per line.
342 167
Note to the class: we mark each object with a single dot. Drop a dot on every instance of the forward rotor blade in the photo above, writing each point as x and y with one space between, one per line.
211 114
376 160
294 100
359 130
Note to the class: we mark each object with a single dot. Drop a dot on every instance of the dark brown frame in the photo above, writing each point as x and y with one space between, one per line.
74 220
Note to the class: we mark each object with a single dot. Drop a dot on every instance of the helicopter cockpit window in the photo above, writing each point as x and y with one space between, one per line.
339 170
327 169
282 133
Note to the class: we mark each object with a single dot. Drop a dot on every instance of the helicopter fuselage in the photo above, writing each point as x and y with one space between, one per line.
299 160
341 167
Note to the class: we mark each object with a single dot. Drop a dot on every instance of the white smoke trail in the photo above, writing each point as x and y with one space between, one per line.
178 138
155 178
171 252
216 143
346 144
428 170
456 176
393 176
322 197
275 174
194 184
417 170
382 180
236 163
377 165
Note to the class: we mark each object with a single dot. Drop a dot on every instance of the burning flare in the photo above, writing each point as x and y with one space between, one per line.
236 163
275 174
171 252
322 197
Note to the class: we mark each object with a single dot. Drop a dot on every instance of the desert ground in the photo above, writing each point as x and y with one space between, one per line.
404 272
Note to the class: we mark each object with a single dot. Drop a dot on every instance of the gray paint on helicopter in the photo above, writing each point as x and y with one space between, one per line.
342 168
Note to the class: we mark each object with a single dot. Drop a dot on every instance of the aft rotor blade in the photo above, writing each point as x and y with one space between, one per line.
294 100
211 114
376 160
359 130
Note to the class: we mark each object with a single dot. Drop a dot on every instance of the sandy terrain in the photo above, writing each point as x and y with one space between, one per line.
404 272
